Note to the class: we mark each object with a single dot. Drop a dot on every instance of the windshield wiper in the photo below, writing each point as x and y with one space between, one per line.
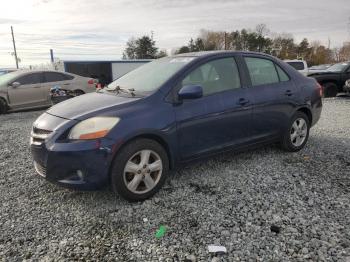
132 91
119 89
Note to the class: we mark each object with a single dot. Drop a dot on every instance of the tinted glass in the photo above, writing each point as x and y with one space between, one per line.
261 71
283 76
55 77
297 65
338 67
29 79
215 76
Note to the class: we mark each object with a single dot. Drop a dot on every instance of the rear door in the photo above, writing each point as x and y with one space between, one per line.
219 119
56 79
28 93
275 97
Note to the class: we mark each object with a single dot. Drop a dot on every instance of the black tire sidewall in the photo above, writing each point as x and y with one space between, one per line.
127 151
330 90
287 143
79 92
3 106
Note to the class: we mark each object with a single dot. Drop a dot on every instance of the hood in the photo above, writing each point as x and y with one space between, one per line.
321 73
81 106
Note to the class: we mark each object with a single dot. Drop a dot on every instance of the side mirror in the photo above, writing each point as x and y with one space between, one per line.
190 92
15 84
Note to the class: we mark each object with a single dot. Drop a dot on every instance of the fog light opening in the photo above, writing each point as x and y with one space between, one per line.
80 174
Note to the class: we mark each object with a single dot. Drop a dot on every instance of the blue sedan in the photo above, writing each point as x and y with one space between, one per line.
169 112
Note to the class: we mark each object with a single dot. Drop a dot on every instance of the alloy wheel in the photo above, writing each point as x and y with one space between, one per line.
298 132
143 171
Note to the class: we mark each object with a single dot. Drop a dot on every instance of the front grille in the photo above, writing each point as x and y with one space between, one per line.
38 135
41 131
41 170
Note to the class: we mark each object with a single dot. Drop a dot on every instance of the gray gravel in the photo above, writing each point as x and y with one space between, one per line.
262 205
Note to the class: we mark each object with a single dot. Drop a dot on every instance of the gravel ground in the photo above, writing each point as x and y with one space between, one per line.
262 205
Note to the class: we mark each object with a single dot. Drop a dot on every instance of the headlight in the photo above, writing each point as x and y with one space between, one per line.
92 128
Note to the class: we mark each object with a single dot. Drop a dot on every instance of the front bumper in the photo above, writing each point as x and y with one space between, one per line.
75 164
81 165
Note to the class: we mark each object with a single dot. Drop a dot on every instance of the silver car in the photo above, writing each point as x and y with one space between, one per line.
27 89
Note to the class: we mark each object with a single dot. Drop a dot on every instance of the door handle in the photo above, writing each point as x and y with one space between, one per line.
288 93
242 101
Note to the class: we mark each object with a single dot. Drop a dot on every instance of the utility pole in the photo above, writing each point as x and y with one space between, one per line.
225 40
14 47
51 56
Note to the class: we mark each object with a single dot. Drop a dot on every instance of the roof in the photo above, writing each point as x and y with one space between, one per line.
216 52
108 61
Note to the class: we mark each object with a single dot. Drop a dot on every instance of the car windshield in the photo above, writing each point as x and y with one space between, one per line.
150 76
338 67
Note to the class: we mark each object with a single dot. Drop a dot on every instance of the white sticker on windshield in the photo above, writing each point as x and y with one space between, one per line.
181 60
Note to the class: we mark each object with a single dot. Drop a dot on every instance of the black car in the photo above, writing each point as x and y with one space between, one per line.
333 79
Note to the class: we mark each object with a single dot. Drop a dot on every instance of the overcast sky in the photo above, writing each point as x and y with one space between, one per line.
90 29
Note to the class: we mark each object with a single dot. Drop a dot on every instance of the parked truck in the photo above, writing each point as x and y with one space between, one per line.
333 79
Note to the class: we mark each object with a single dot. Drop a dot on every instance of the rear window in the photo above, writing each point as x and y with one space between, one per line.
297 65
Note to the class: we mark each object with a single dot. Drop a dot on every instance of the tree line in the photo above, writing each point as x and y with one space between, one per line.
261 39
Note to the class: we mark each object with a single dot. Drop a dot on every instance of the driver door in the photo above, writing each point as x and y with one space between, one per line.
28 93
219 119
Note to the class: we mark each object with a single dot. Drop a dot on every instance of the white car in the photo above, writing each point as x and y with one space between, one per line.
27 89
299 65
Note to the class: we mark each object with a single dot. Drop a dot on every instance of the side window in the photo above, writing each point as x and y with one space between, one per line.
262 71
54 77
29 79
215 76
283 76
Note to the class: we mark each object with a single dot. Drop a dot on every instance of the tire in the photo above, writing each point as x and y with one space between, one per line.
295 139
78 92
330 90
3 106
130 157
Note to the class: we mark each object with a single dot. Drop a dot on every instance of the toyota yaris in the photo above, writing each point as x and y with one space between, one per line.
169 112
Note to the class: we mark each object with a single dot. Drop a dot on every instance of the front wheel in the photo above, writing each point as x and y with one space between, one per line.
139 169
78 92
297 133
3 106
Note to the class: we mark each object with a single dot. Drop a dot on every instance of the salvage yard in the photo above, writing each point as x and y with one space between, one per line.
262 205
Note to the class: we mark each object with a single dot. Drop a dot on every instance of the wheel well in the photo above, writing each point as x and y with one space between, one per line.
332 82
159 140
307 112
75 90
3 99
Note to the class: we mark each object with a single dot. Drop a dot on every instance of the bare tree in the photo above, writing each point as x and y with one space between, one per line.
262 30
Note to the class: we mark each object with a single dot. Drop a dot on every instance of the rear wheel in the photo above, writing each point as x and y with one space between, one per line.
139 169
330 89
3 106
297 133
78 92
